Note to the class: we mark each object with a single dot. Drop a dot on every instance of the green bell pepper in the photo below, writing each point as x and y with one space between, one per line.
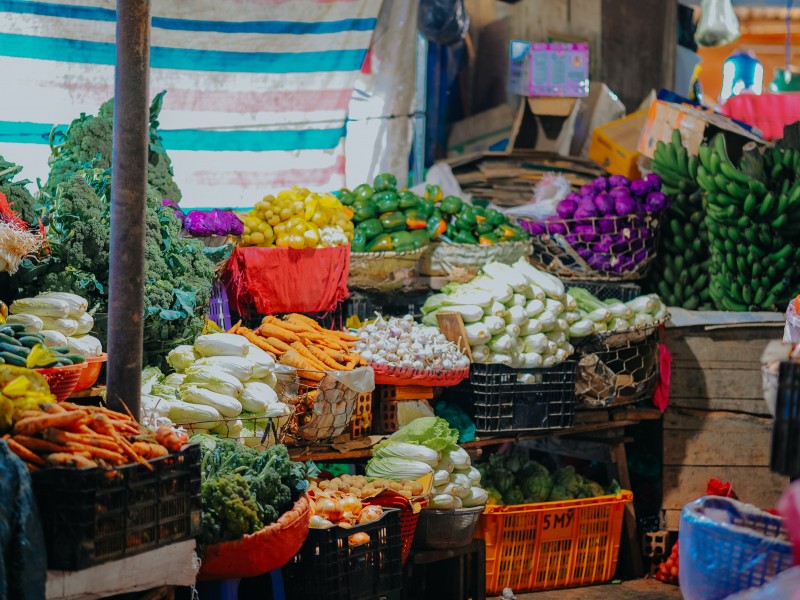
347 198
382 243
425 207
415 220
467 215
385 202
420 238
495 217
370 228
484 227
438 213
408 200
393 221
402 241
436 227
363 192
385 181
487 239
464 237
359 241
451 205
433 192
451 231
363 210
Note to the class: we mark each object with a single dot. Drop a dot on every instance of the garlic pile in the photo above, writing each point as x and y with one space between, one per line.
400 342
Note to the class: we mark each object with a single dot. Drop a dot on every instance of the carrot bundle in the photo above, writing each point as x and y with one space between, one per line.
70 435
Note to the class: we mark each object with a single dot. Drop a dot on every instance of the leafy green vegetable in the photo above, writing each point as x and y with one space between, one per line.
16 193
88 140
433 432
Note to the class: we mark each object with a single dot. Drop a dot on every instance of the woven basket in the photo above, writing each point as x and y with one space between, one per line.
563 248
383 271
461 262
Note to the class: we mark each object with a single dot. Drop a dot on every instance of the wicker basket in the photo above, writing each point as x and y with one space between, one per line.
461 262
569 248
383 271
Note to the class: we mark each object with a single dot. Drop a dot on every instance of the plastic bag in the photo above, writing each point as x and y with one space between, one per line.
551 190
786 586
718 24
789 508
443 21
791 331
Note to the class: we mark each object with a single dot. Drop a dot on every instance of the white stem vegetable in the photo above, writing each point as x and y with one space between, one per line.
534 307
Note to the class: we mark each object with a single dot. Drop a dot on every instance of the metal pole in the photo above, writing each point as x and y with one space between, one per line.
128 205
420 109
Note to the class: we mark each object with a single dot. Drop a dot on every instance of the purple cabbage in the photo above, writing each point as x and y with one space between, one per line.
215 222
536 227
656 202
618 180
566 208
619 191
641 187
604 203
179 214
583 252
624 205
654 180
600 184
556 227
607 225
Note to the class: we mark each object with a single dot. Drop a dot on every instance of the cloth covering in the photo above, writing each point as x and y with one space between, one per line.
281 280
23 570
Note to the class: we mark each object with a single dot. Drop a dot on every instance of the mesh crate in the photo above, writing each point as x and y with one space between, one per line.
329 568
550 545
623 374
610 290
90 516
218 310
503 403
785 456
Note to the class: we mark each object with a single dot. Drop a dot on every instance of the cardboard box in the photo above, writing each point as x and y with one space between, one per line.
489 131
615 145
548 69
696 126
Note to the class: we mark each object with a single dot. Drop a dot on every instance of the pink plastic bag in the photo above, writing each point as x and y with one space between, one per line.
789 509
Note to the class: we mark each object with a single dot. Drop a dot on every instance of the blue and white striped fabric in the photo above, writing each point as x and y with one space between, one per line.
257 90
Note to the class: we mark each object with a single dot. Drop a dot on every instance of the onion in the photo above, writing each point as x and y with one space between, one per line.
351 504
328 509
369 513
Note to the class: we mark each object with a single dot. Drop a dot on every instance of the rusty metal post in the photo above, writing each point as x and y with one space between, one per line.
128 205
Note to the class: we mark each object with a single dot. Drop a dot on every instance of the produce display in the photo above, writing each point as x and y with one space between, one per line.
680 270
473 224
514 315
59 321
614 316
427 446
243 490
610 224
753 217
220 384
388 220
68 435
298 219
512 478
300 342
400 342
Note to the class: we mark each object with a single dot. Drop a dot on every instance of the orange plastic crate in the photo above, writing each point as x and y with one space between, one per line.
551 545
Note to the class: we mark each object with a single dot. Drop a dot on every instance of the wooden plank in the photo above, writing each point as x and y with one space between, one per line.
586 20
755 485
716 383
452 326
583 449
751 406
738 345
716 421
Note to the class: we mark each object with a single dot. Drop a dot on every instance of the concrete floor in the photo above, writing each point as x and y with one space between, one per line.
640 589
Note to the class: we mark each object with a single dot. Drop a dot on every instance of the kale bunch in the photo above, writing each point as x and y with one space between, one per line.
229 509
178 275
88 141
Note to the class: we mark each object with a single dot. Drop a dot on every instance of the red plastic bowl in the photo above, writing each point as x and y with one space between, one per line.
90 374
62 380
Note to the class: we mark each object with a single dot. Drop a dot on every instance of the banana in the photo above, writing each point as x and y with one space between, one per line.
761 294
720 148
776 170
704 154
692 166
782 253
735 190
783 203
767 205
747 295
713 166
750 204
779 222
733 173
758 188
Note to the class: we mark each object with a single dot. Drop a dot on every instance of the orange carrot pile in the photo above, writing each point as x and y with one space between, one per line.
300 342
69 435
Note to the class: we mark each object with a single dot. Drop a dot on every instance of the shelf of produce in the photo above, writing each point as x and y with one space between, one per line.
326 454
171 565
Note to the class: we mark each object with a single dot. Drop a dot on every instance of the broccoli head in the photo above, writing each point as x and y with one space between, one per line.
272 496
229 509
16 193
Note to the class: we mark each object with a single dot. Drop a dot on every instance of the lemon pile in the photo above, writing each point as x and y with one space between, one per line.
298 219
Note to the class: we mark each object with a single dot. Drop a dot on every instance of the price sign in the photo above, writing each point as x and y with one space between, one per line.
557 525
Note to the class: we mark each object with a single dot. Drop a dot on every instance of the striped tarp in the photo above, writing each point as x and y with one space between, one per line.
258 90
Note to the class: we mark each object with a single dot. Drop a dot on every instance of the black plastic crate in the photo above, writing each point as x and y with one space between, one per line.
609 290
91 516
504 404
328 568
785 456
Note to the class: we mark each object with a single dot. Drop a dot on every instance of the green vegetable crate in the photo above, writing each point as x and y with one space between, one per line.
91 516
332 566
507 400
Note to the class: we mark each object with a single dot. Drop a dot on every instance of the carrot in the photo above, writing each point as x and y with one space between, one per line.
302 319
102 424
26 414
257 340
336 355
31 467
115 458
235 328
323 357
288 325
170 439
37 445
148 450
65 459
33 425
53 408
351 364
310 358
24 453
293 359
346 336
64 437
272 330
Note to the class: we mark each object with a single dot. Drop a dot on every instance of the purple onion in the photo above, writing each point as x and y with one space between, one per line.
566 208
606 225
583 252
640 256
641 187
602 247
584 212
604 203
536 227
586 233
625 264
618 180
600 184
599 262
574 196
624 205
656 202
587 190
573 239
556 227
654 180
619 191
